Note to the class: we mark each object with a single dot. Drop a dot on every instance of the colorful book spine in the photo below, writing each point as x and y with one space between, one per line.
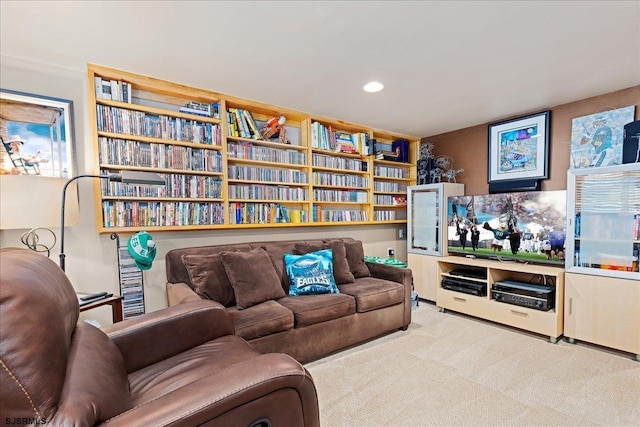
253 127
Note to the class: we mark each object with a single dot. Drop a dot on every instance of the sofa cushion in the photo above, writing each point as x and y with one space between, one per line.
96 386
252 276
209 279
311 273
177 272
159 379
371 293
341 271
355 257
276 251
311 309
261 320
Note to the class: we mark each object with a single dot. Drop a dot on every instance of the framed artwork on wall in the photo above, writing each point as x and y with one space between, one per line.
37 135
519 150
597 139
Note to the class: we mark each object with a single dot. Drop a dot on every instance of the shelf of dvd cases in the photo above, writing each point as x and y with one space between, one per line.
390 182
267 171
341 176
391 178
232 163
340 196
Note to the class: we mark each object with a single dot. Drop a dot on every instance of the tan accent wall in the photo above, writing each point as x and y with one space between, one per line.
469 147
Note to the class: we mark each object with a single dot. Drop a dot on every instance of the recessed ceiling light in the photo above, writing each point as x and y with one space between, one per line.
373 87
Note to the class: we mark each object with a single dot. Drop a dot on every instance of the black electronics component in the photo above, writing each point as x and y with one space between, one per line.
476 273
465 286
538 297
631 143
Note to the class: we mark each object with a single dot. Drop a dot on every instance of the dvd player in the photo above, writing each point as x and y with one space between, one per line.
465 286
476 273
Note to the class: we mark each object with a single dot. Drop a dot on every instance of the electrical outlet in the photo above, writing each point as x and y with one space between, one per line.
391 252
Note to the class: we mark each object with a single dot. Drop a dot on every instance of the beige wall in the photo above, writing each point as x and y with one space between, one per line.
91 259
468 147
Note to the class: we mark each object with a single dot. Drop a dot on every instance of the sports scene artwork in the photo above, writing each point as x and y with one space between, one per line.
596 139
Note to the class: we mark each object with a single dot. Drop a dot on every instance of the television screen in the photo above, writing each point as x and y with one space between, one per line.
524 226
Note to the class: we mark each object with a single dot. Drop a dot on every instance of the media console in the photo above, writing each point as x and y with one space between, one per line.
525 296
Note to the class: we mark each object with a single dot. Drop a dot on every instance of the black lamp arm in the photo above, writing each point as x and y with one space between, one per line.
127 177
64 198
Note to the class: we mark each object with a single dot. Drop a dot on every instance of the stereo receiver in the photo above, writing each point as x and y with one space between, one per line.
538 297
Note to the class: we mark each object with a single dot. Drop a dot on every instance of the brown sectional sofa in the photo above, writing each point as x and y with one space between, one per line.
307 327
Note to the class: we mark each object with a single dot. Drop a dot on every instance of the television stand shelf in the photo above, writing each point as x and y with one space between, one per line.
549 323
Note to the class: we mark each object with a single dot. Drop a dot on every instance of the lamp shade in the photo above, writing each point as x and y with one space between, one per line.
30 201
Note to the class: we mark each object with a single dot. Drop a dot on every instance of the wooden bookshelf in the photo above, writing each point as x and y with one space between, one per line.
221 172
391 179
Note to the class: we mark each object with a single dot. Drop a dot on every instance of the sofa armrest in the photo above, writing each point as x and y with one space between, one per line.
400 275
155 336
391 273
257 388
177 293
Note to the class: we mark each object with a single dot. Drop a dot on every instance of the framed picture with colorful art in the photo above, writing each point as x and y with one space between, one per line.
597 139
37 135
519 149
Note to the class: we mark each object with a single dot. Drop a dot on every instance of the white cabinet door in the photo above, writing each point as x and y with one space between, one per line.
603 311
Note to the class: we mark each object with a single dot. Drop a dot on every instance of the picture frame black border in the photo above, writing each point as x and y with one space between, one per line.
505 185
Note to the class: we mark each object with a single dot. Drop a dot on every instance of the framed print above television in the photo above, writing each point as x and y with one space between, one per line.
519 152
37 135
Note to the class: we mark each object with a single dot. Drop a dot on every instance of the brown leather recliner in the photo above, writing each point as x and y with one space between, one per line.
180 366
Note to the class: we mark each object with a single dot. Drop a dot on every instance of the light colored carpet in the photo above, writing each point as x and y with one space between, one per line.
448 369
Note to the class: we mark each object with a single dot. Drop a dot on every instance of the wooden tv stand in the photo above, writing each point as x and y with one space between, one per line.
549 323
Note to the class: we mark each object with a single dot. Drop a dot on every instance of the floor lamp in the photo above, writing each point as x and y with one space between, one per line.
126 177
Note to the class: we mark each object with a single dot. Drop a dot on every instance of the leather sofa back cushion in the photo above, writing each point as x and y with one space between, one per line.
36 298
341 270
252 276
209 278
355 257
96 386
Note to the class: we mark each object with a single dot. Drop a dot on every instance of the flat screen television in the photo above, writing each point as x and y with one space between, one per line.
529 227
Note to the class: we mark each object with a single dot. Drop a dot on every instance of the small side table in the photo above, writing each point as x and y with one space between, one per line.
115 302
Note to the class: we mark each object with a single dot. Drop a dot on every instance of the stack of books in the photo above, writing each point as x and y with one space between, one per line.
202 109
388 155
344 142
114 90
242 124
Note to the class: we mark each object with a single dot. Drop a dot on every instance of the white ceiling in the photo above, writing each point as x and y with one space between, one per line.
445 65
